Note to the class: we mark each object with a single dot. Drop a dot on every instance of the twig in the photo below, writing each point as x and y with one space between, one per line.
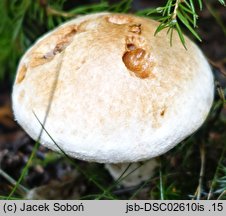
202 155
52 11
220 91
160 182
219 65
221 195
174 16
12 181
201 174
215 176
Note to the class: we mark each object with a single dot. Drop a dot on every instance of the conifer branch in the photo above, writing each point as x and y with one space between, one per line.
176 14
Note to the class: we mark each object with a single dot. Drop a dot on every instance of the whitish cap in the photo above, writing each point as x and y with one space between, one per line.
122 94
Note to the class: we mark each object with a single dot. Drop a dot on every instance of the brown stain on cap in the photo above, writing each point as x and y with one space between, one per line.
135 28
21 74
136 60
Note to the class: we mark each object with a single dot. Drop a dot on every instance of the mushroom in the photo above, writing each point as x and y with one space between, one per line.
114 92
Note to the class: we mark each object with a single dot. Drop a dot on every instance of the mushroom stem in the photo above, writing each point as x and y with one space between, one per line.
132 174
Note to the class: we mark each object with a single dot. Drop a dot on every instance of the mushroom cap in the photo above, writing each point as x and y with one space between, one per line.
115 92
